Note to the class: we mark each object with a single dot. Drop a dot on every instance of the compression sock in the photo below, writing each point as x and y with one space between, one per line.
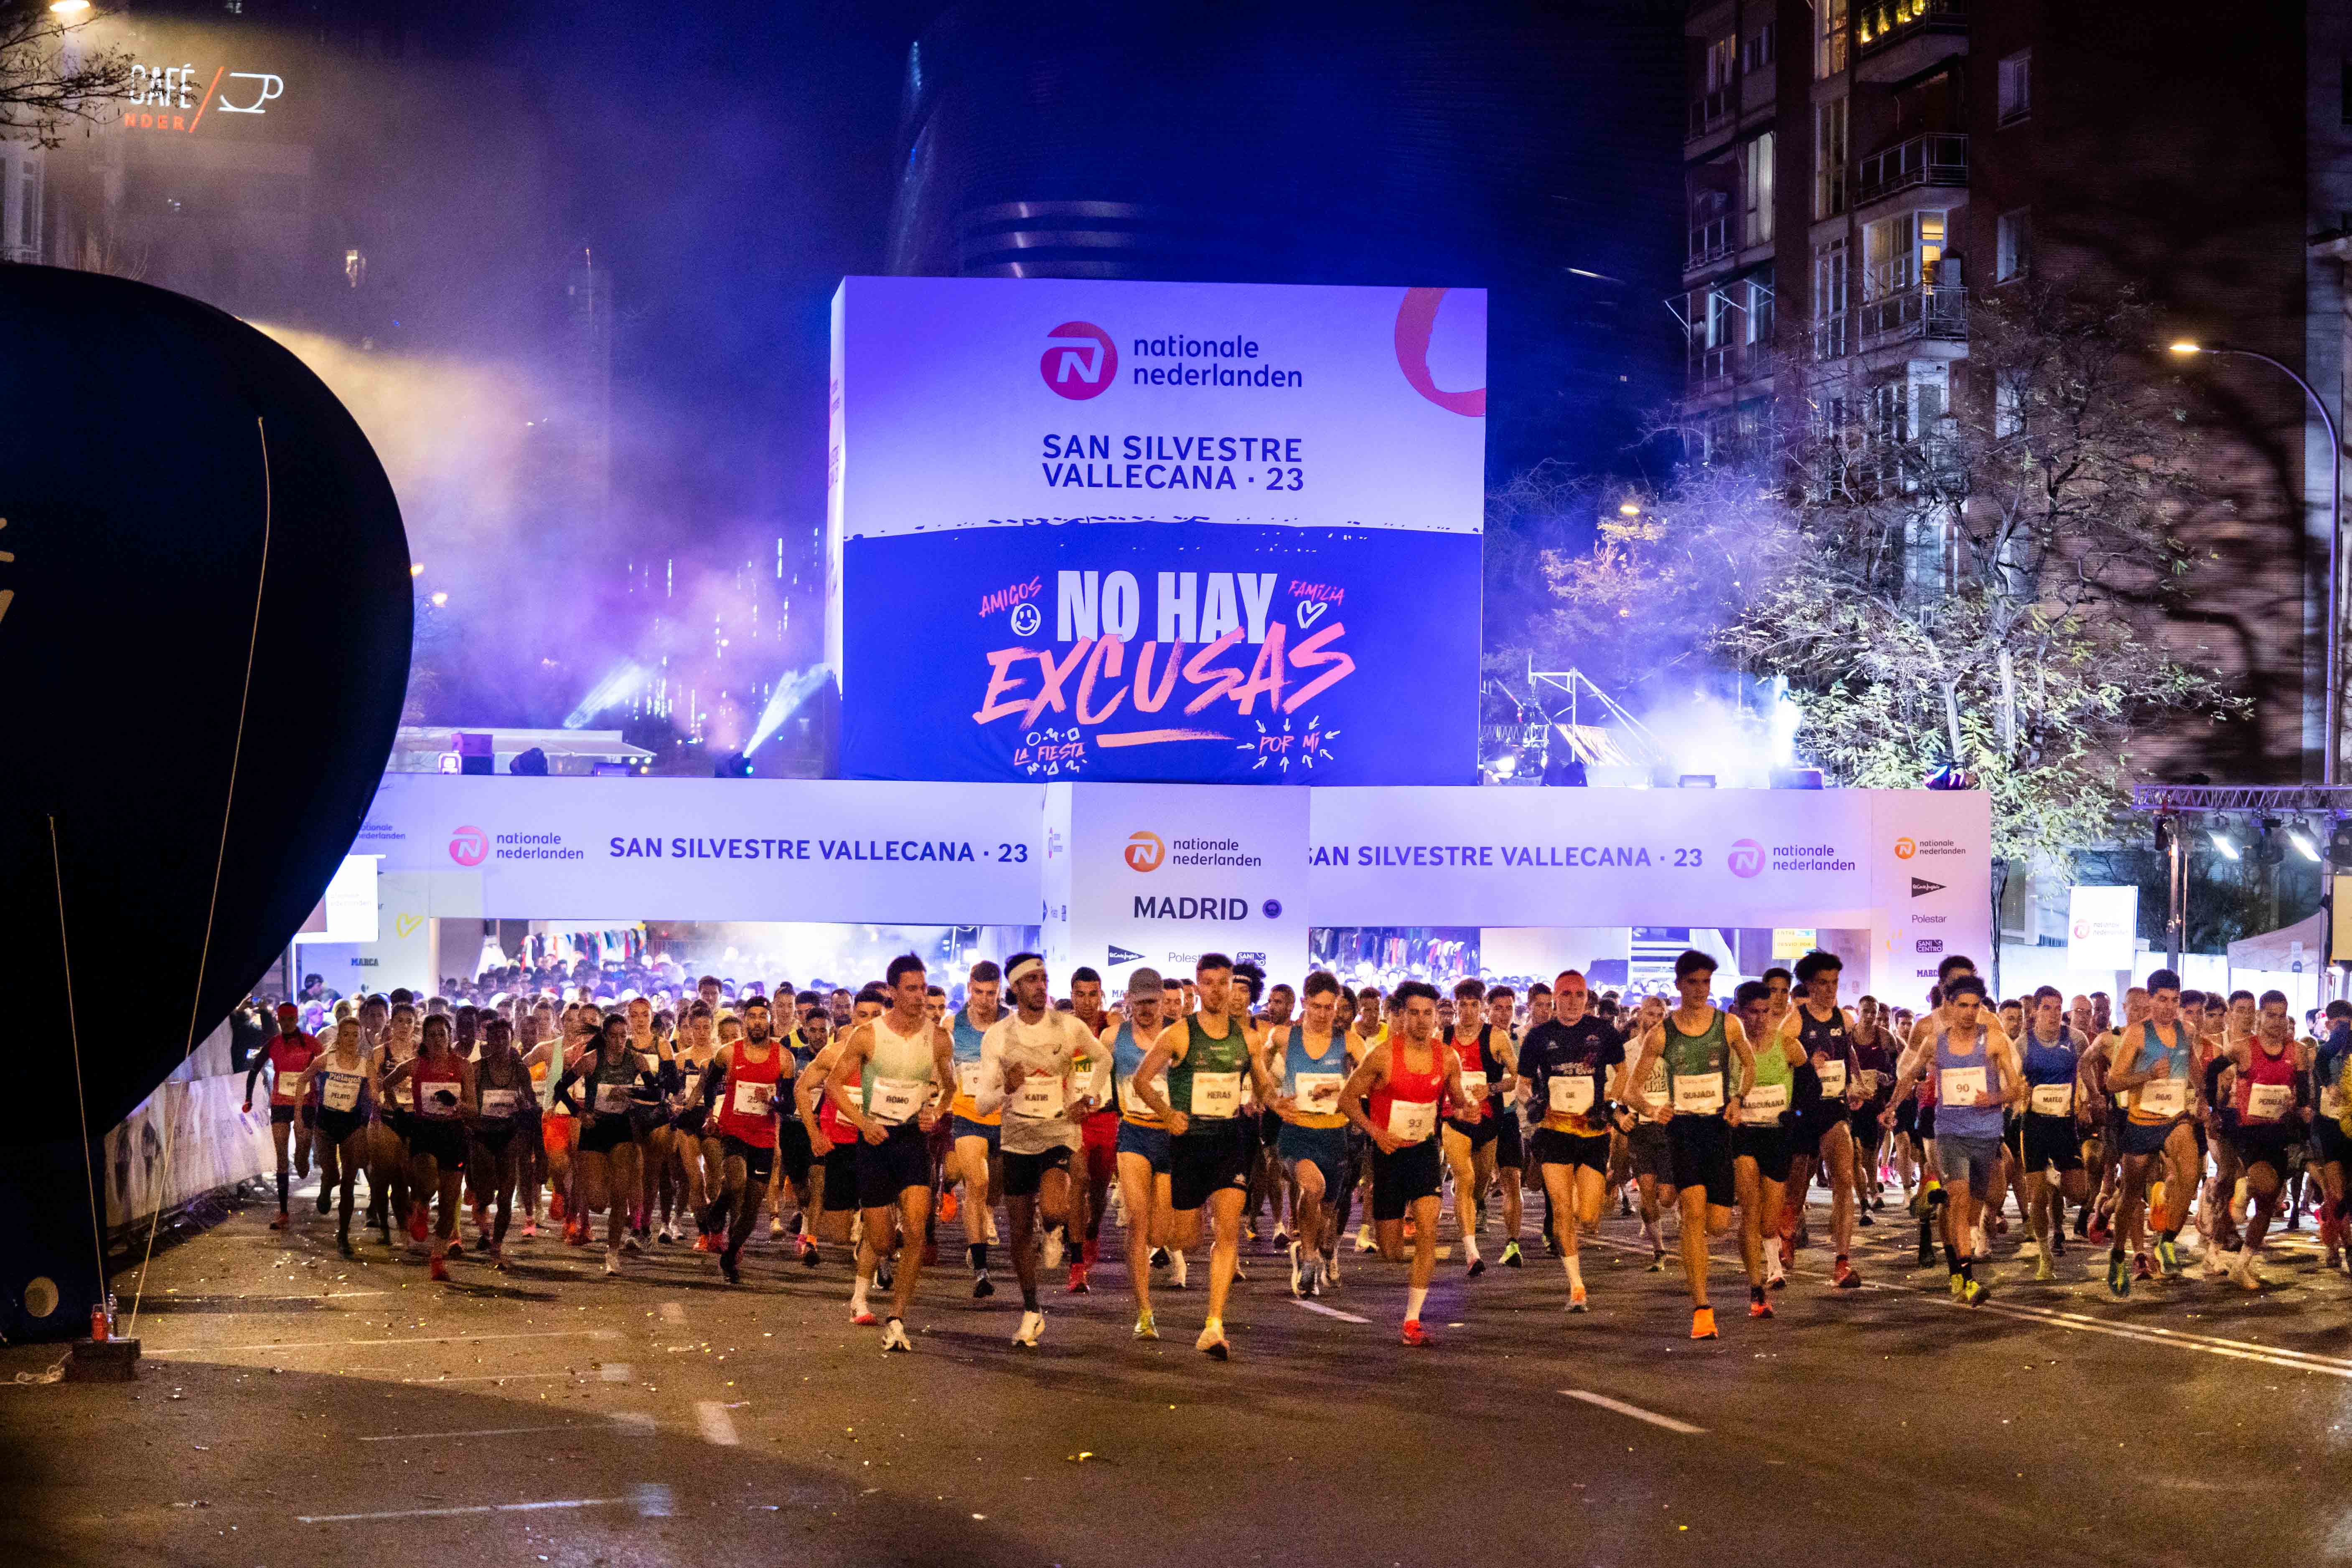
1414 1297
1575 1272
1771 1252
980 1257
1952 1257
1029 1298
281 1191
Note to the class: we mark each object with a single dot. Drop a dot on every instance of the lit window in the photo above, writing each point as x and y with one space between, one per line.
1829 38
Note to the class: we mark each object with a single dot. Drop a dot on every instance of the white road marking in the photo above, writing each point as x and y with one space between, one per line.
1328 1312
477 1432
716 1425
477 1508
483 1377
634 1423
425 1339
614 1371
1635 1411
673 1312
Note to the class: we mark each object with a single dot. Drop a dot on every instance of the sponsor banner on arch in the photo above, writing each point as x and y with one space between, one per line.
1112 531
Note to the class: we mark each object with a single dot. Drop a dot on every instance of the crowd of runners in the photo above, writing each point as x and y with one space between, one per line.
1197 1110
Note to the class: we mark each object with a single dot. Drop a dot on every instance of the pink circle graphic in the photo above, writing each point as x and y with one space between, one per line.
1416 318
1080 361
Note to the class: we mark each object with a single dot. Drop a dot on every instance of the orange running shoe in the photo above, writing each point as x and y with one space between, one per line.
1414 1334
949 1207
440 1270
1703 1323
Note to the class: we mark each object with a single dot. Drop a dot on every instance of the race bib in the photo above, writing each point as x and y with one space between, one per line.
1959 1086
1654 1087
1870 1081
1572 1094
341 1090
2053 1099
612 1099
1699 1094
1317 1093
2331 1103
1834 1078
1413 1120
1474 1087
1040 1095
429 1101
1766 1100
2269 1101
1135 1101
1216 1093
2163 1096
752 1099
498 1104
968 1079
894 1100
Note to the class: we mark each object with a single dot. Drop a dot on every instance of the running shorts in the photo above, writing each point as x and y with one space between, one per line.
282 1113
1404 1177
965 1127
2044 1140
1150 1142
556 1133
606 1135
1510 1145
1906 1119
337 1125
1926 1128
885 1169
1025 1175
1972 1159
444 1142
1769 1146
690 1120
1100 1132
1868 1135
1699 1155
759 1164
2269 1146
1253 1133
841 1178
2144 1137
1481 1132
1209 1158
1811 1124
1324 1148
793 1150
1650 1152
1552 1147
493 1137
2328 1142
1269 1128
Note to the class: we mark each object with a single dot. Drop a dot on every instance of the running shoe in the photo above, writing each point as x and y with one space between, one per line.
1973 1293
1477 1267
1552 1244
1511 1259
893 1336
530 1229
1861 1216
728 1270
2096 1232
776 1227
983 1288
1758 1306
344 1244
555 1208
1776 1278
1576 1301
440 1270
416 1222
1054 1249
2141 1269
1249 1230
1078 1286
2167 1256
280 1222
808 1252
630 1244
456 1247
1412 1333
498 1256
1211 1343
864 1318
1146 1326
612 1260
2244 1273
1328 1278
1364 1242
1281 1234
1657 1261
2119 1275
949 1205
2042 1270
1959 1284
322 1197
1160 1257
1843 1276
668 1235
1703 1323
1032 1329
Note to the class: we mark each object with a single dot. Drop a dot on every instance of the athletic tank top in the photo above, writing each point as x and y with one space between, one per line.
747 1108
286 1060
2264 1095
1208 1082
1126 1055
897 1077
1827 1038
2327 1073
504 1084
1958 1080
1478 1070
2049 1073
967 1037
2161 1099
344 1089
1406 1106
1696 1065
428 1082
1083 1061
1773 1094
1303 1072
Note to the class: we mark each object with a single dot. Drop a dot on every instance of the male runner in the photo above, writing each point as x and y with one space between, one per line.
976 1131
1977 1074
1760 1143
2049 1129
1312 1060
1470 1143
1029 1077
2152 1073
1574 1066
1392 1097
1709 1067
2330 1149
1099 1133
744 1088
1142 1135
890 1085
1825 1034
1647 1154
1510 1143
2272 1099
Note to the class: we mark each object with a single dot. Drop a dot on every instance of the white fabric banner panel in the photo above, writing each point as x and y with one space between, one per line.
1932 885
719 849
2101 924
1159 874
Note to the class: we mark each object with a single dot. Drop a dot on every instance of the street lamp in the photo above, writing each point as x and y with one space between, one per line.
68 7
2335 541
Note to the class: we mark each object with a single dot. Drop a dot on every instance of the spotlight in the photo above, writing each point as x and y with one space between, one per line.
2219 835
1695 781
2340 846
2303 844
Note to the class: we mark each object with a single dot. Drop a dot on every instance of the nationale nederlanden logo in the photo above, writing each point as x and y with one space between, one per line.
1745 858
1081 361
1145 850
1906 847
469 845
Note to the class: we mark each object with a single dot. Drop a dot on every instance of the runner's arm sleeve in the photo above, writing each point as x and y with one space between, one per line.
714 1083
252 1073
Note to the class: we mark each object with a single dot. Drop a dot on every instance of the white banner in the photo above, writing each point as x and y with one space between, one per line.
617 850
1160 874
2101 927
212 1143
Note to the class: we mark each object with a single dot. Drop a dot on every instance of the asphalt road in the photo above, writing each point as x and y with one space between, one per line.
295 1407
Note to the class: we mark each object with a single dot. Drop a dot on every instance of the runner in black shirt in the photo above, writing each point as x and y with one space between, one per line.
1571 1065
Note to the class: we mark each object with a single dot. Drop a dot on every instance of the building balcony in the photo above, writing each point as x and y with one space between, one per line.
1895 39
1939 158
1716 368
1831 338
1713 111
1927 311
1709 242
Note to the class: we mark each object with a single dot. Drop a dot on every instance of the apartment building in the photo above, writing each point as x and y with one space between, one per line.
1860 172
